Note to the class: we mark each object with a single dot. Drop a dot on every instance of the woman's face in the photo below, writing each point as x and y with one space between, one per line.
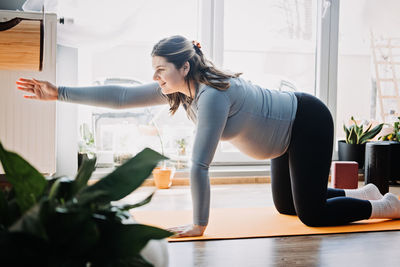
170 79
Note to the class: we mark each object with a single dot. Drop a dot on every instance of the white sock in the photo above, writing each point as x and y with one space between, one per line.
388 207
367 192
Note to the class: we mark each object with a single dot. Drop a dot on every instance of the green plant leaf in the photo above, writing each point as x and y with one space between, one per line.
13 212
138 235
354 121
141 203
72 231
123 241
369 128
360 129
112 213
137 261
347 132
351 133
371 134
95 196
54 189
127 177
83 175
62 189
3 209
30 223
23 249
359 132
28 183
352 136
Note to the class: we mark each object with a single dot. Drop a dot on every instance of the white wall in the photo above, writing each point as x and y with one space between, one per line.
67 133
353 90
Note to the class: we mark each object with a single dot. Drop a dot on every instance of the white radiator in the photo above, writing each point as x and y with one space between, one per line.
27 126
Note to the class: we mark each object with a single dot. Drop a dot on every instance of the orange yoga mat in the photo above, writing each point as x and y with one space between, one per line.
236 223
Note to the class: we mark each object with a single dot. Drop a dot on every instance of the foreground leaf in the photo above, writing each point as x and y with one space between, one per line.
73 233
3 209
27 182
13 213
127 177
124 241
84 174
137 261
22 249
141 203
30 223
62 189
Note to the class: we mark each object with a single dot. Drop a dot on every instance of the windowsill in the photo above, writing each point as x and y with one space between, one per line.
214 171
245 174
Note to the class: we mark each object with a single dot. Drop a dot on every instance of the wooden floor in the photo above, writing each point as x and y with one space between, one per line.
359 249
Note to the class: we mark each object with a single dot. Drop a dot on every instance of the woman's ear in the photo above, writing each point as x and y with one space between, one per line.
186 68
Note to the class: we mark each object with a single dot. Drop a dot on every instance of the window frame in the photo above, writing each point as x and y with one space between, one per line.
327 56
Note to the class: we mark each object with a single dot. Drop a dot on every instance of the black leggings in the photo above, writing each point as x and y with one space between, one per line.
300 176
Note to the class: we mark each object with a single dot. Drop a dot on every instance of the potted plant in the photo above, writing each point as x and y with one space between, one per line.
86 144
353 148
162 174
394 134
181 159
181 143
64 222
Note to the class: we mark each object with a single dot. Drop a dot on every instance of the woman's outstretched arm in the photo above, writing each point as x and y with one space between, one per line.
111 96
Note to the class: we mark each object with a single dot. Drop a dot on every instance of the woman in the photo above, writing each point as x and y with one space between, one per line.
294 129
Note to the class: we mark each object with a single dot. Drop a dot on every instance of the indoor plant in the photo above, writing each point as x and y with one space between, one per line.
86 144
65 222
395 134
162 174
181 159
181 143
353 148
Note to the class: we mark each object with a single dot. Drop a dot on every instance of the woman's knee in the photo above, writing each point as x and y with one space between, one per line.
311 218
286 210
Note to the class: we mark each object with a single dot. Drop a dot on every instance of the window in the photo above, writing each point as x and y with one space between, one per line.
277 53
368 63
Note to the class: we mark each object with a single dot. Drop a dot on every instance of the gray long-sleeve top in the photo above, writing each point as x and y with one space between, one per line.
256 120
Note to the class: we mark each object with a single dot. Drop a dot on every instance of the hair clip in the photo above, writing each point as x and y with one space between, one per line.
197 44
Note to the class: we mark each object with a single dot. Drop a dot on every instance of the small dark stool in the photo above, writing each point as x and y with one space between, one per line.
377 165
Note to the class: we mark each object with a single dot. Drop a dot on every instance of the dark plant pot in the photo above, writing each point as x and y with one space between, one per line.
352 152
377 165
394 161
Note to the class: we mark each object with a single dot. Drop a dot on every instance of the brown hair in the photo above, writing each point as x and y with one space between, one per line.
178 50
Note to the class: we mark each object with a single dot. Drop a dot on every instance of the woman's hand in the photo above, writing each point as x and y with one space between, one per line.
189 230
42 90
